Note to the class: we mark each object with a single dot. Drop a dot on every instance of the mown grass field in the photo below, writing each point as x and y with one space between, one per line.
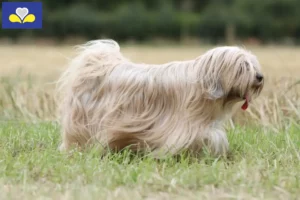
264 159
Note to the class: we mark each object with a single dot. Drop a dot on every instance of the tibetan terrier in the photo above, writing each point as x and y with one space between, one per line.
167 108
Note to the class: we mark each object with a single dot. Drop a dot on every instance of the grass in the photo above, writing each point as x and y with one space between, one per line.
262 165
264 141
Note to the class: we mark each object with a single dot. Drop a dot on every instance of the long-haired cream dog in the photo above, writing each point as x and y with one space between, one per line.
166 108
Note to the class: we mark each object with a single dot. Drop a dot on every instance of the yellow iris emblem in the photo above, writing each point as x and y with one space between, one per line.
22 16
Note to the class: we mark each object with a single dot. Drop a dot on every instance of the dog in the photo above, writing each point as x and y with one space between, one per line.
167 108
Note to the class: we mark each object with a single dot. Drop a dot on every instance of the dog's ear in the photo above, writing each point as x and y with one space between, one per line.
216 91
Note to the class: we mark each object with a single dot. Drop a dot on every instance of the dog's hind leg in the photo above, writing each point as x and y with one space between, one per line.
74 139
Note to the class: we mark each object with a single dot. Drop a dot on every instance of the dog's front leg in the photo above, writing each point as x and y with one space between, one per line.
217 142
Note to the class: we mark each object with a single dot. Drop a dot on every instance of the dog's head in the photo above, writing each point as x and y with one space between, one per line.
232 74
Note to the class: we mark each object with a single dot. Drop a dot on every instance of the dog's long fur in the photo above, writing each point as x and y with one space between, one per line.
165 108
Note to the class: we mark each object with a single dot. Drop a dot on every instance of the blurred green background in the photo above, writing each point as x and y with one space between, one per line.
210 21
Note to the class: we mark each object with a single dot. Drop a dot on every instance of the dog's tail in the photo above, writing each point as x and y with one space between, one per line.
99 46
94 59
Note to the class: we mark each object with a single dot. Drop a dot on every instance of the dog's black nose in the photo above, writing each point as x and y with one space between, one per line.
259 77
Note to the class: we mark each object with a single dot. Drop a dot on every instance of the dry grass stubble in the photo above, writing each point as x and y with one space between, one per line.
32 97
